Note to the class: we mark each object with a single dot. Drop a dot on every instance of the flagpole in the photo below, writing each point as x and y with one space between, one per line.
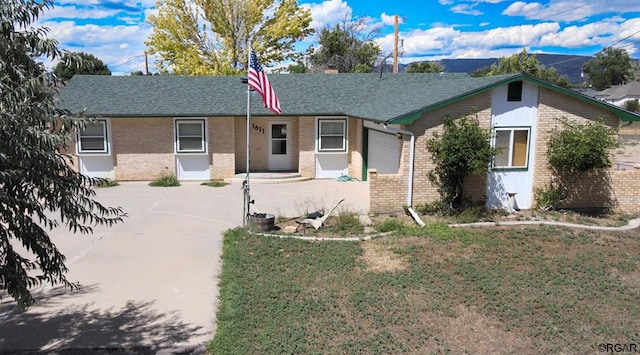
246 186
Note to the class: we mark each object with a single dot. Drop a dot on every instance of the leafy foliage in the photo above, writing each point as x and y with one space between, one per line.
463 149
525 63
73 63
425 67
39 190
611 66
210 37
574 148
348 47
166 180
632 105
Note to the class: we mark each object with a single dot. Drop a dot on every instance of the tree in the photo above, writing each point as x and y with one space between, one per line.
632 105
73 63
525 63
39 190
611 66
462 150
425 67
348 47
210 37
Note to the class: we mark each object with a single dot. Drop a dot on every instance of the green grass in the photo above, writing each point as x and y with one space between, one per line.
214 183
167 180
563 291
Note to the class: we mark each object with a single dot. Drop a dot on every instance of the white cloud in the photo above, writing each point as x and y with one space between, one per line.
328 13
604 33
72 12
569 10
451 42
466 9
114 45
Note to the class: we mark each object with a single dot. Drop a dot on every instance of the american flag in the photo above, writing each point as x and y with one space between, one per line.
260 83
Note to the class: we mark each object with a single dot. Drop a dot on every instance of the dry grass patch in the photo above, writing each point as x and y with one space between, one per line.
379 258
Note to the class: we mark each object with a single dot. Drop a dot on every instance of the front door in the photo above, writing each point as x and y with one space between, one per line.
279 146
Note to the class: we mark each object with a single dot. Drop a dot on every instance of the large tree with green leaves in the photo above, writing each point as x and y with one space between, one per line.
611 66
348 47
39 190
73 63
526 63
210 37
425 67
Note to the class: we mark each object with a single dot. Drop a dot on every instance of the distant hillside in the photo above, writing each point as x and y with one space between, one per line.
566 65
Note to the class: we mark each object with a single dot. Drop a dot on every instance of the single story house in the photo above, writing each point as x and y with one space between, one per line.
619 94
373 127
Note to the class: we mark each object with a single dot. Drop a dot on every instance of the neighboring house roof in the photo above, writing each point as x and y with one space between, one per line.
614 93
397 98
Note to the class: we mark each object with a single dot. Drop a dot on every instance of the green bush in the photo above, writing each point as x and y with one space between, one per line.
214 183
167 180
547 198
463 149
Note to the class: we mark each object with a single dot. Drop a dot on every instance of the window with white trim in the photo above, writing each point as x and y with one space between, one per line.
332 135
513 147
93 138
190 136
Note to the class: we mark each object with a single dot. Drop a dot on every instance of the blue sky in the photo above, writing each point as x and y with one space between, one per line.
115 31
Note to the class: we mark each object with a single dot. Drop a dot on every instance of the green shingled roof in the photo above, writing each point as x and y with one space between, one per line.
400 98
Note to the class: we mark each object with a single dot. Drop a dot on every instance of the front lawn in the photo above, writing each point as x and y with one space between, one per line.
430 290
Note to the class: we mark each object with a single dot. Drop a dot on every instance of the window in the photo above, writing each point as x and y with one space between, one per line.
513 145
190 136
515 91
332 135
93 138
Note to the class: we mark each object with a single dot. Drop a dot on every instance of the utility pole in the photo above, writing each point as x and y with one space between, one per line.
395 44
146 63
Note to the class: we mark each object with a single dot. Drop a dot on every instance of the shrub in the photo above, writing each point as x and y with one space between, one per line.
573 149
463 149
167 180
214 183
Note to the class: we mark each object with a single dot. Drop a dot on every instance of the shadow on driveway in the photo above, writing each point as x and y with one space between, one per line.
134 328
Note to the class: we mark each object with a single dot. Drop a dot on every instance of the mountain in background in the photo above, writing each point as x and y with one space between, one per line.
566 65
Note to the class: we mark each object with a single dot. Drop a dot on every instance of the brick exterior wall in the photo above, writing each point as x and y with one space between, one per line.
355 159
387 192
221 144
307 147
142 148
554 105
626 190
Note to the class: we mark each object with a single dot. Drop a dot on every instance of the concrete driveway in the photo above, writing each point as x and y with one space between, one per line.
150 283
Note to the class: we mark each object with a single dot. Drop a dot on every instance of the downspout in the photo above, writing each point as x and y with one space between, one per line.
412 148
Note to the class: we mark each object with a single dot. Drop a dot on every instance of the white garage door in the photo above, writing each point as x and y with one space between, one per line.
384 152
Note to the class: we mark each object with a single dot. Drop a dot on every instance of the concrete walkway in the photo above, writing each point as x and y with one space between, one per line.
150 284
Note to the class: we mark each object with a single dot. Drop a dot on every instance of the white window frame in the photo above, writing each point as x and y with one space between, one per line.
203 136
511 142
345 135
105 139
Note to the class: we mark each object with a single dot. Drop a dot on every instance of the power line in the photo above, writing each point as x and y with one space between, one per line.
569 10
128 60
